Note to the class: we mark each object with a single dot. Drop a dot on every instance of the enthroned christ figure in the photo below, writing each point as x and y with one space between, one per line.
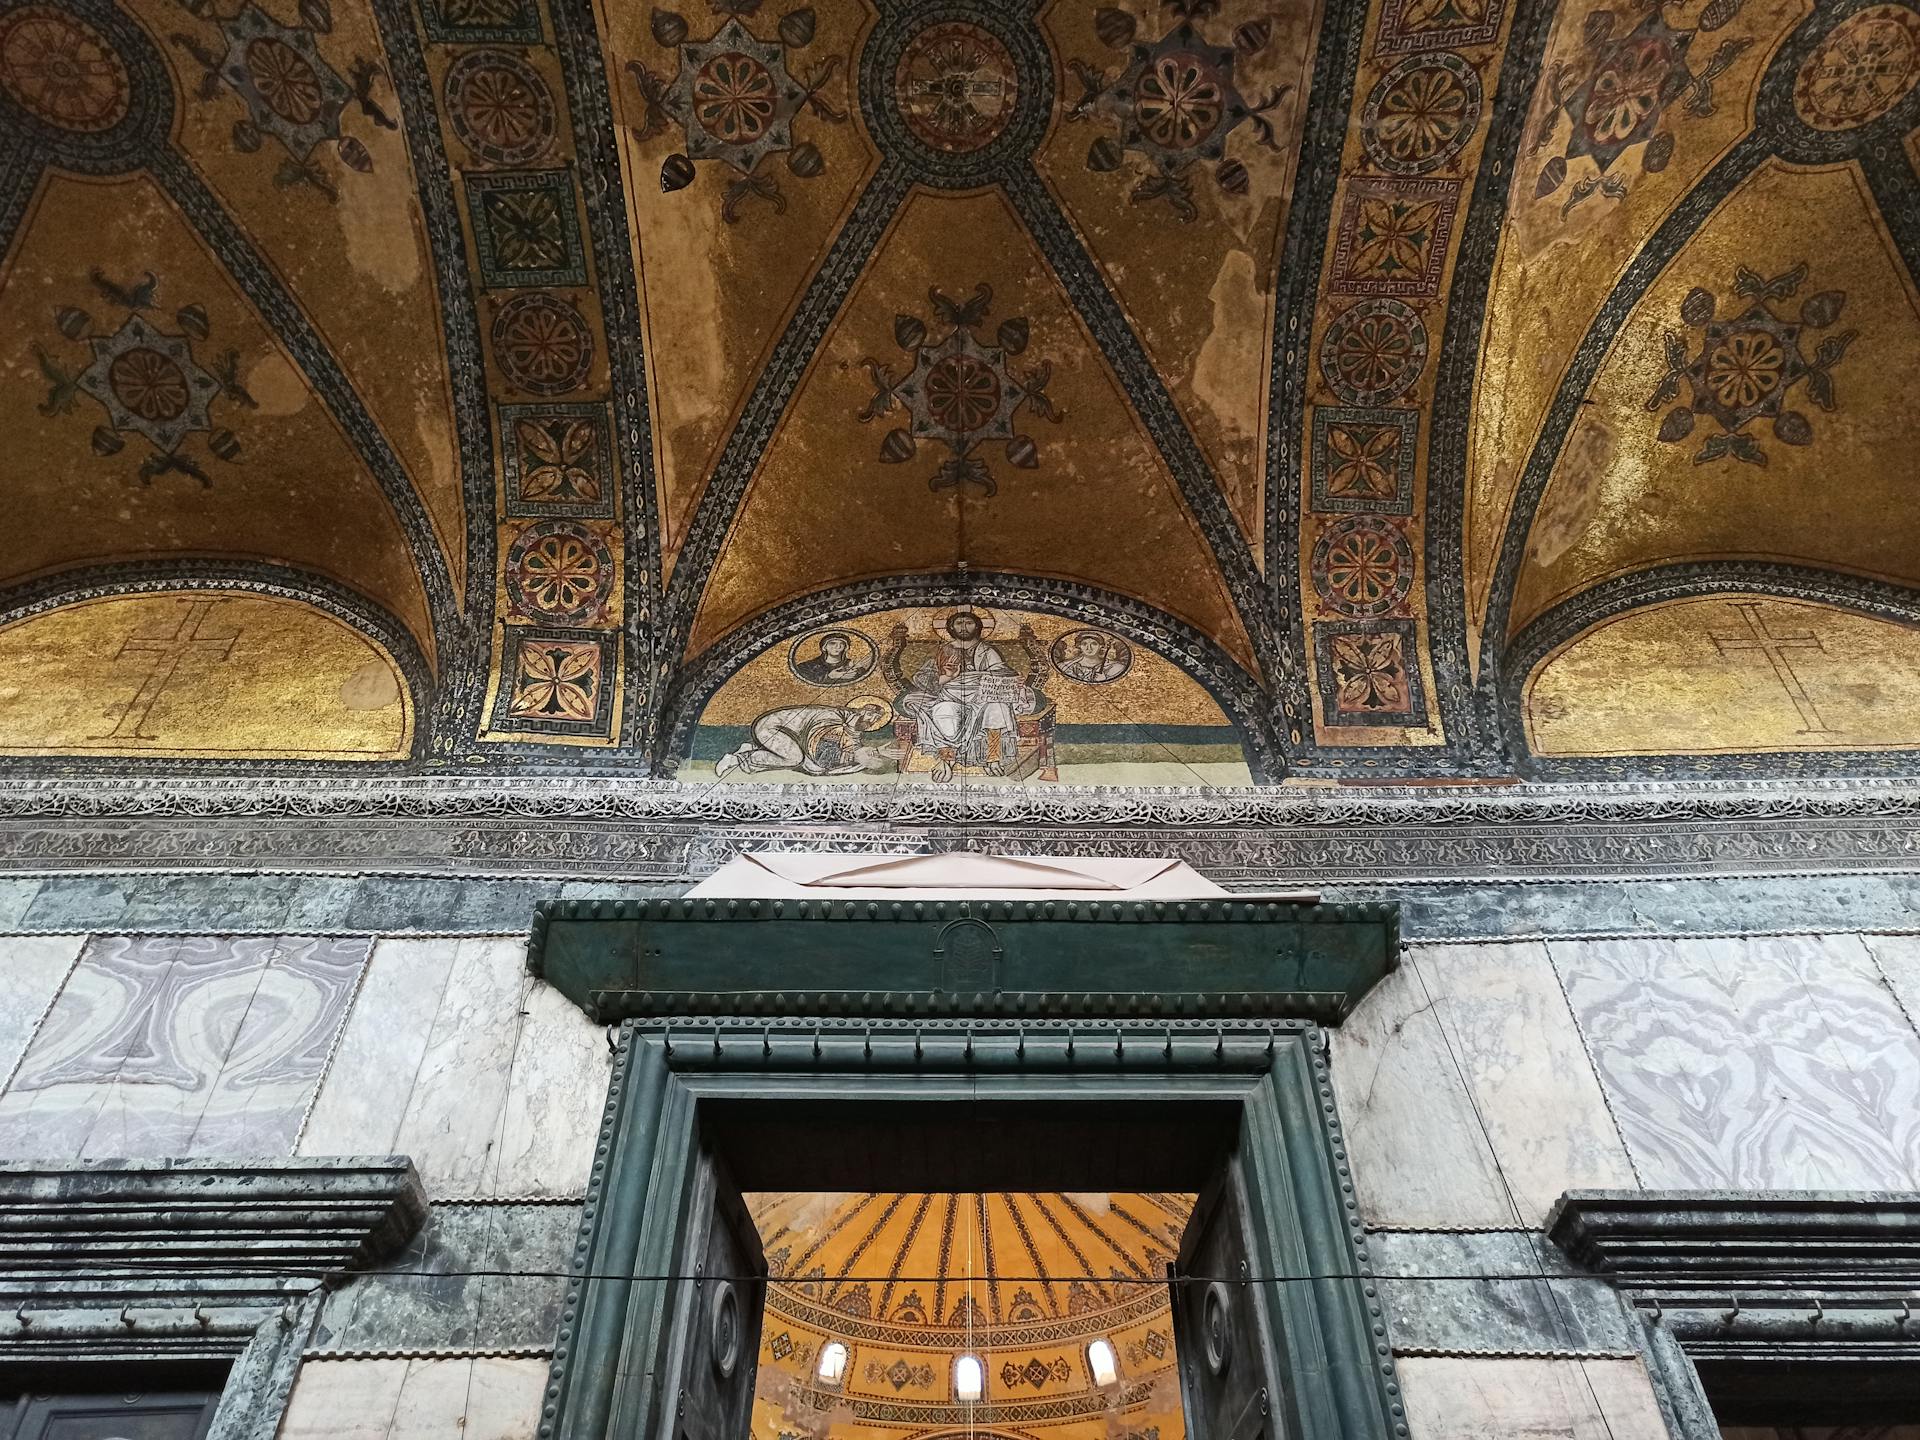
963 699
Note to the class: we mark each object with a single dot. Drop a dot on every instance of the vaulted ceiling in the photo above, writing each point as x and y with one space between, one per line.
1419 388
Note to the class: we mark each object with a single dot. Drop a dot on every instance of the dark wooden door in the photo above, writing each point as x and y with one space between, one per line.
108 1416
717 1308
1220 1326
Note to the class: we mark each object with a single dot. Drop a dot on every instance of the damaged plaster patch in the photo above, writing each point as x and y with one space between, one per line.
1569 504
277 388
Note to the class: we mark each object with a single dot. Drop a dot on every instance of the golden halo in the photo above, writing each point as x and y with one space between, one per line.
879 702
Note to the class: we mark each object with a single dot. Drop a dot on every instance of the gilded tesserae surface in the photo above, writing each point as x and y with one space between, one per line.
1417 389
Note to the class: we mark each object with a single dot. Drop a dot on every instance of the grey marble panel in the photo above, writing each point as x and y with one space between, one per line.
285 1039
78 902
31 970
1533 1087
433 1296
1774 1063
1701 905
1431 910
208 902
16 899
1419 1155
151 1037
396 905
1481 1399
1431 1306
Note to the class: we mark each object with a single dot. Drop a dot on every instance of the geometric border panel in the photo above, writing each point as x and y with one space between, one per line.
1325 419
571 657
1382 666
550 189
595 460
496 22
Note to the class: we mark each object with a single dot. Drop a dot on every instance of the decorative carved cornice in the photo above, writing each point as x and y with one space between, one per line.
661 832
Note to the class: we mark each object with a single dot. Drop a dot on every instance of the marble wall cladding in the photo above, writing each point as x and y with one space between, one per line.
474 1399
1522 1060
1481 1399
1420 1156
488 1078
180 1046
1466 1092
1775 1063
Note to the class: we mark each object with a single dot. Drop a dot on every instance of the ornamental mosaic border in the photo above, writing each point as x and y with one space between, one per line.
596 158
1304 257
463 673
656 831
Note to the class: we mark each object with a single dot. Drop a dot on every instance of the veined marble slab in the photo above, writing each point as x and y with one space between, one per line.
148 1037
1479 1399
1527 1071
1780 1063
1419 1156
488 1078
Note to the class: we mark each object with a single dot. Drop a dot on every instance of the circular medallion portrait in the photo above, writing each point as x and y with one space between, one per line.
1093 657
831 657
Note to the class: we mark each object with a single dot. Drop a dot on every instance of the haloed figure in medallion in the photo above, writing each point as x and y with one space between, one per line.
1095 658
815 740
964 700
836 664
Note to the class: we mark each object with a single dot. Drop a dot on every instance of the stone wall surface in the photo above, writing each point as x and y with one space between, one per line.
1476 1084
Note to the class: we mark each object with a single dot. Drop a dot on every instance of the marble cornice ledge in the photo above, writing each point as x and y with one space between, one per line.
579 827
149 1228
1674 1241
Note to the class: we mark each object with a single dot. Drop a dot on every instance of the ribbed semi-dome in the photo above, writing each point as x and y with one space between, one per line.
908 1283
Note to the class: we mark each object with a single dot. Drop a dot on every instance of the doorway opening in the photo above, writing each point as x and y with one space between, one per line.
984 1314
965 1290
1219 1136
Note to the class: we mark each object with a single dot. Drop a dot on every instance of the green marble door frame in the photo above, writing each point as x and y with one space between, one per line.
1268 1074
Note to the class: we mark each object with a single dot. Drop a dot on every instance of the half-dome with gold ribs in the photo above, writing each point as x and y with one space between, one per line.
1026 1283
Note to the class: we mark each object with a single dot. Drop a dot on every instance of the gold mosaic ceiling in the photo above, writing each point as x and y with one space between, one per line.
1023 1282
1423 388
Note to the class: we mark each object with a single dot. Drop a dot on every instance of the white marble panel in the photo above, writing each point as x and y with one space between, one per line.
1537 1096
504 1403
1419 1157
363 1098
451 1398
558 1089
454 1113
1773 1063
344 1400
31 969
1478 1399
1898 960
